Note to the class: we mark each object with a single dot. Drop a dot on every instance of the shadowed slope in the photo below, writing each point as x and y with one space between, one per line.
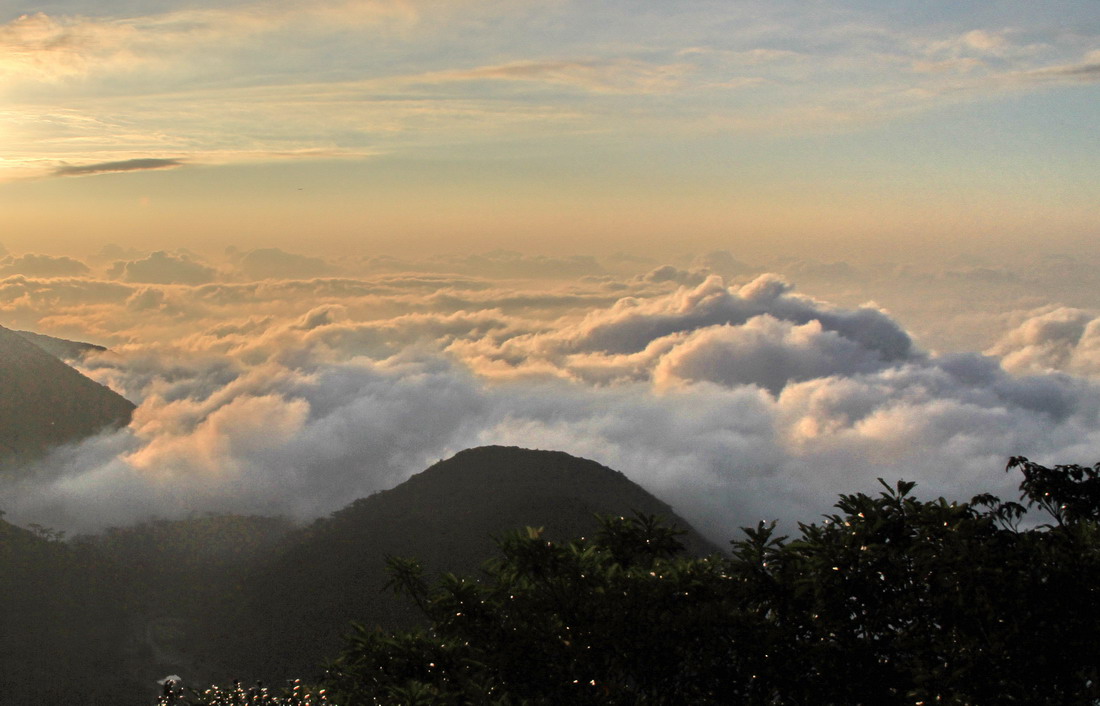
63 624
300 603
44 402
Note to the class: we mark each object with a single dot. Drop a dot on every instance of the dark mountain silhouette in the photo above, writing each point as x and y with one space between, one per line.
300 602
214 598
44 402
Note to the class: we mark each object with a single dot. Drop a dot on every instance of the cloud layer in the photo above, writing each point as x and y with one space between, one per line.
733 399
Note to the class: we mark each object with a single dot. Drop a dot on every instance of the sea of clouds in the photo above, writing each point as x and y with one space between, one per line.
277 383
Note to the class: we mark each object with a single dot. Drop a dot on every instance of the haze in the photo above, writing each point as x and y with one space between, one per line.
750 254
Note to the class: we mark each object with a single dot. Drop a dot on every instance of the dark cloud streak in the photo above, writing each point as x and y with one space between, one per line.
1086 73
127 165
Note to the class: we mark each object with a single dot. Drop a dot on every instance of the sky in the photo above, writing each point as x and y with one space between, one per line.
751 254
396 125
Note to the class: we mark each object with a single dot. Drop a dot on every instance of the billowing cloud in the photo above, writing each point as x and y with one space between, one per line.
42 266
270 439
163 267
733 401
631 325
767 352
54 303
1064 339
668 273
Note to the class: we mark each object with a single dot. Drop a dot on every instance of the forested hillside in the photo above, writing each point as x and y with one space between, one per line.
892 600
223 597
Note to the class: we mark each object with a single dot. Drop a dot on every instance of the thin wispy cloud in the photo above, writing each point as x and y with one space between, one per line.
611 75
55 47
201 81
1087 71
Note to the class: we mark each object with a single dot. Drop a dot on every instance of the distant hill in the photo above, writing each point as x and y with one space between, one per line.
60 347
214 598
300 602
44 402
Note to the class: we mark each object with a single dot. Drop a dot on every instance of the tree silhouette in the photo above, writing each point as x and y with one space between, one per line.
891 600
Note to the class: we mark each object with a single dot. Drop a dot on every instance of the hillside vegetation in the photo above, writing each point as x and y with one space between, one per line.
224 597
891 600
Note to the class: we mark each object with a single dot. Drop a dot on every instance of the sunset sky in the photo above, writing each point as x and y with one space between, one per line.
752 254
865 128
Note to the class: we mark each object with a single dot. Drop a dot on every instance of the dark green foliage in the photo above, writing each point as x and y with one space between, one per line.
619 618
1068 493
892 600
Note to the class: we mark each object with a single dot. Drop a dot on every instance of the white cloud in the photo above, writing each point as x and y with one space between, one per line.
763 351
1064 339
734 403
682 328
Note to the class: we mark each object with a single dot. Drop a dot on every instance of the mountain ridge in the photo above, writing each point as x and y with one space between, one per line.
45 402
60 347
446 516
218 598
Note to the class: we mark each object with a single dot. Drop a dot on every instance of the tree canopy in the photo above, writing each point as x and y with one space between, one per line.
890 600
